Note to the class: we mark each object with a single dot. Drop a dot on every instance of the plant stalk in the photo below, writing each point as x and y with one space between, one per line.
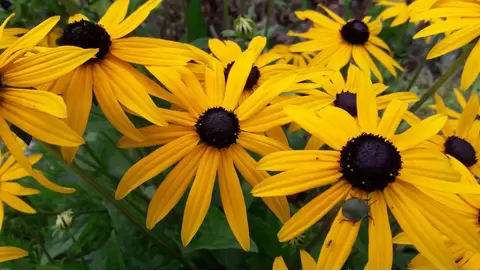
460 60
269 15
77 244
226 17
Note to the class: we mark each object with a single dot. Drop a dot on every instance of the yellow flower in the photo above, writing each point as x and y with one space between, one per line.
308 263
116 84
370 169
210 136
36 112
300 60
11 253
339 41
462 20
10 171
343 94
403 10
465 260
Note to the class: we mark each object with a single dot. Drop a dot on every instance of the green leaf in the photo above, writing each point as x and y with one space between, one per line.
201 43
216 234
196 27
109 256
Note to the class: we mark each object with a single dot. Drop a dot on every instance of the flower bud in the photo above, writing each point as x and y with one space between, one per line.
244 27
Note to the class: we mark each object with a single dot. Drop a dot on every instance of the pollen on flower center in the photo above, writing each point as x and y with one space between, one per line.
218 127
355 32
370 162
461 150
86 34
252 77
347 101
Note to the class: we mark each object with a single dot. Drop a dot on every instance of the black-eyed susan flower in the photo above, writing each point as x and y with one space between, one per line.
403 10
209 137
339 41
343 95
308 263
369 169
117 86
11 253
10 190
36 112
461 25
300 60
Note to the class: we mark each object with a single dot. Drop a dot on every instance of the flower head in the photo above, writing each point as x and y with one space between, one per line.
338 41
370 163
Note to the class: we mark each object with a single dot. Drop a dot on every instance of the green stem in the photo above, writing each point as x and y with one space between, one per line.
421 65
123 153
269 14
226 17
38 238
75 242
71 7
125 208
460 60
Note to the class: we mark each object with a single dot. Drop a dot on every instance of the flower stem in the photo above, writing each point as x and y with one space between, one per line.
269 14
75 242
421 65
460 60
226 18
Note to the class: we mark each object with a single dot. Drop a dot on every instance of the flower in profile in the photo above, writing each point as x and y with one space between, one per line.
36 112
464 259
300 60
461 20
370 169
116 84
338 42
308 263
343 94
11 253
209 137
10 190
403 10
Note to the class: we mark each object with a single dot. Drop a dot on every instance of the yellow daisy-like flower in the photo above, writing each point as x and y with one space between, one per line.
465 260
370 169
229 52
209 137
300 60
117 86
10 170
308 263
343 94
403 10
461 25
36 112
11 253
339 41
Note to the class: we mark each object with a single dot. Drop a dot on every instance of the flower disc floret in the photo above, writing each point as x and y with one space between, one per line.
355 32
370 162
461 150
218 127
347 101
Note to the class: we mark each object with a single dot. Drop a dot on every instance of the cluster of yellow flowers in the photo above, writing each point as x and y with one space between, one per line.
228 103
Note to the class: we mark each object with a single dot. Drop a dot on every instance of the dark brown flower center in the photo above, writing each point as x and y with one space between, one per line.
461 150
86 34
408 2
218 127
347 101
370 162
252 77
355 32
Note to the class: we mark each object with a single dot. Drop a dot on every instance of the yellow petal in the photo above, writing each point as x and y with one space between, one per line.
154 163
367 106
246 166
237 78
46 66
341 119
279 264
260 144
420 132
134 20
468 116
115 14
379 234
77 17
174 186
278 134
233 202
287 160
308 263
313 211
11 253
200 195
16 203
13 171
391 118
18 190
40 100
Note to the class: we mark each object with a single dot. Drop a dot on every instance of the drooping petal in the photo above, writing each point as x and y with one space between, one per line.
11 253
43 101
